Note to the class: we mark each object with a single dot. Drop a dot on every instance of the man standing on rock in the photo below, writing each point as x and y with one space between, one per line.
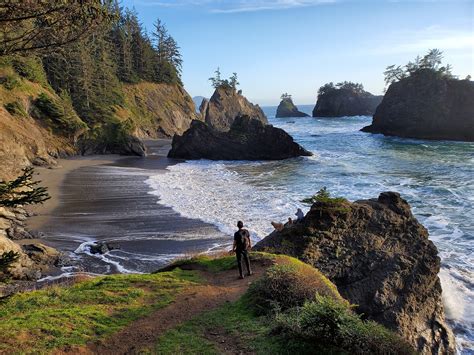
242 246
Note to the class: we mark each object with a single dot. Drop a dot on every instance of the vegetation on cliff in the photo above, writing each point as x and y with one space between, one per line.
183 309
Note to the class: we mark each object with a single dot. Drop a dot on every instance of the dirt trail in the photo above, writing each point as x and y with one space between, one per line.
142 334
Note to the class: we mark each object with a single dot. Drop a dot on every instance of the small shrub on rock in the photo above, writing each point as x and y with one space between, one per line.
329 322
290 285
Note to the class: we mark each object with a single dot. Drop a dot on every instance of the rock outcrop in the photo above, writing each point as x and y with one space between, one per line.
427 106
287 108
225 105
247 139
344 102
380 258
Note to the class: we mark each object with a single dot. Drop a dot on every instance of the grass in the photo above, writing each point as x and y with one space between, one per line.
40 321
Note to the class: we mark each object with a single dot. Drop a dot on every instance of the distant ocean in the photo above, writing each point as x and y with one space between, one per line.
436 177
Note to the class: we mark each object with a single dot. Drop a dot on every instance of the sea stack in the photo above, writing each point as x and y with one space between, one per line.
426 105
345 99
380 258
247 139
225 105
287 108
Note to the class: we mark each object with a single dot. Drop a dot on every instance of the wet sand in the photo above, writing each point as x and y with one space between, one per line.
107 199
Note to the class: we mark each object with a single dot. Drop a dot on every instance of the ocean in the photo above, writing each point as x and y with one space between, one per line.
436 177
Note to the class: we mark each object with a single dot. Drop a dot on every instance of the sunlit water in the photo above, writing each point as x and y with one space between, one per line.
436 177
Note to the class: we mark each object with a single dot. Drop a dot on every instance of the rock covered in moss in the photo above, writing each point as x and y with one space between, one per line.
380 258
287 108
247 139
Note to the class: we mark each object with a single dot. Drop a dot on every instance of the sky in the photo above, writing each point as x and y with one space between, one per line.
296 46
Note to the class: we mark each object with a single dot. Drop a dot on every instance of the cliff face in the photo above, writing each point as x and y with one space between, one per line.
381 259
343 102
158 110
247 139
287 108
225 105
428 107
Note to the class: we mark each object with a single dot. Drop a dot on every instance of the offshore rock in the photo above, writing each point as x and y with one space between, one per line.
343 102
225 105
287 108
427 106
380 258
247 139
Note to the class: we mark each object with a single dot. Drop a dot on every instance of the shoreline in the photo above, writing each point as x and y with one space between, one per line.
106 199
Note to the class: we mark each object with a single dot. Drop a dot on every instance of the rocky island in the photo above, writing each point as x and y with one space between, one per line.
247 139
380 258
225 105
287 108
425 101
345 99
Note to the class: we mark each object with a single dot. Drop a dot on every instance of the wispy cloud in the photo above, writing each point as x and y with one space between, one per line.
422 40
235 6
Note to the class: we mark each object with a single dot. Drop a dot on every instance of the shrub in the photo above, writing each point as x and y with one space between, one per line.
329 322
6 261
290 285
30 68
15 108
10 82
324 196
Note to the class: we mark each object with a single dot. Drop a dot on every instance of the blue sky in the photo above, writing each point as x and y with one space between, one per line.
296 46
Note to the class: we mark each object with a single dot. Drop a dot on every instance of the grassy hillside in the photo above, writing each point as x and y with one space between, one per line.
196 306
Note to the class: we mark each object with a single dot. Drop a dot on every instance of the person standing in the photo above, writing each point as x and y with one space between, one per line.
241 247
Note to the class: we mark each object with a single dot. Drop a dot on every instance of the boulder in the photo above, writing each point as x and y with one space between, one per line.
380 258
344 102
287 108
427 106
247 139
225 105
101 248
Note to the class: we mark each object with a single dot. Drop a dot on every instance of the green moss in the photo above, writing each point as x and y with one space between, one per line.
48 319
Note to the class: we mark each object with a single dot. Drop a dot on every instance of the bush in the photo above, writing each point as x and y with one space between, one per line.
290 285
15 108
30 68
10 82
60 115
6 261
332 323
324 196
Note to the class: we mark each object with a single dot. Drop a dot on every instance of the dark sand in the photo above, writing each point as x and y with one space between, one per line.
107 199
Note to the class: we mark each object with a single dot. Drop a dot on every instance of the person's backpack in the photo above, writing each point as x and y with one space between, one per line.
243 242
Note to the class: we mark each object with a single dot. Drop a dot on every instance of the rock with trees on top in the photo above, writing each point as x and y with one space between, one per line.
425 100
287 108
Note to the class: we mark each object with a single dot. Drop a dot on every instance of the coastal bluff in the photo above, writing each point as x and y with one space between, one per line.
287 108
247 139
345 99
225 105
380 258
427 106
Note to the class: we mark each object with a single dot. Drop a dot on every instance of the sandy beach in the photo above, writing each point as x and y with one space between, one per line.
106 199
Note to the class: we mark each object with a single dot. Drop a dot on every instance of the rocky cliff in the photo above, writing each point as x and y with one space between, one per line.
287 108
427 106
247 139
343 102
380 258
225 105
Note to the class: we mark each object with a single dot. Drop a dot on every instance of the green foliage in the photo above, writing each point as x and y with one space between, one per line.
10 82
330 88
30 68
330 322
39 321
22 190
431 62
290 285
59 115
324 196
218 82
6 261
285 96
15 108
